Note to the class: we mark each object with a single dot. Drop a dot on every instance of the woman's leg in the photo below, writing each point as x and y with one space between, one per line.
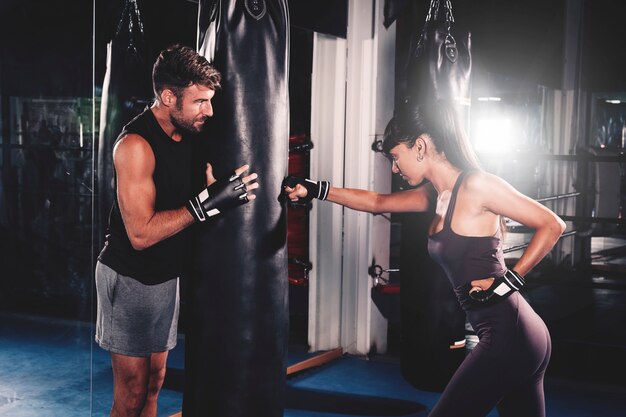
528 401
474 389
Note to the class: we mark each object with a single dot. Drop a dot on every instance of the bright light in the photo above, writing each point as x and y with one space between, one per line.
464 101
613 101
493 135
489 99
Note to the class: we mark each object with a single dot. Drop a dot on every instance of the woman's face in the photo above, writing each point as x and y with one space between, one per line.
405 163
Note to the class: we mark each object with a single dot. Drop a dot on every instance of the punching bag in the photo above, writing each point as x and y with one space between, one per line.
440 62
126 82
237 311
433 324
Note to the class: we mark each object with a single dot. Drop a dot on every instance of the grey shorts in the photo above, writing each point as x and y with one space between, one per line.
134 319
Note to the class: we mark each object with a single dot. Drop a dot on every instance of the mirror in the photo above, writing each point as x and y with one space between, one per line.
46 183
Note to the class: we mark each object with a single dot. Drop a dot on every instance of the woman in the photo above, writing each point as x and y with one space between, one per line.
427 146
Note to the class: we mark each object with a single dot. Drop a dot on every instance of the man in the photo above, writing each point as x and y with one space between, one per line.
138 269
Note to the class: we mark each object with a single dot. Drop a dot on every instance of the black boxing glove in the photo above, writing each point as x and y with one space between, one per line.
501 287
217 197
314 189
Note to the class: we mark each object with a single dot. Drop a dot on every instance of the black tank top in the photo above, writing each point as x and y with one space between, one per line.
465 258
173 182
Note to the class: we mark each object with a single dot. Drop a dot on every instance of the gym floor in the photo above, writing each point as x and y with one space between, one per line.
52 368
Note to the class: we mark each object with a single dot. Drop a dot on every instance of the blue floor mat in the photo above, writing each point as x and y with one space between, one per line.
51 368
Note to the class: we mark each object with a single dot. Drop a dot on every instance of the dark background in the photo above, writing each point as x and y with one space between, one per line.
47 46
51 49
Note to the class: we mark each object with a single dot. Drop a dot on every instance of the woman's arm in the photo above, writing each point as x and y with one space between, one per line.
501 198
414 200
498 197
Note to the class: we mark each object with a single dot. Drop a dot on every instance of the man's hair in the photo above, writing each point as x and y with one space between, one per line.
179 67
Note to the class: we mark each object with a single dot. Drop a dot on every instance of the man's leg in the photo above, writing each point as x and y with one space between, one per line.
131 375
155 382
137 382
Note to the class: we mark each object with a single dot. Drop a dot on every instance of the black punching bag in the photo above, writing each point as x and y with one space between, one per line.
433 323
237 309
126 82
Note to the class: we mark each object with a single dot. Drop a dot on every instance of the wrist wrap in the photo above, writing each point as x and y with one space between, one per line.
314 189
501 287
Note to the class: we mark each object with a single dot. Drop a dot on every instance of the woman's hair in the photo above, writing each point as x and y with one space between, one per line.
179 67
439 121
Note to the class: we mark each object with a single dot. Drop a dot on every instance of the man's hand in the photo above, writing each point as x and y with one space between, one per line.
249 181
210 179
223 195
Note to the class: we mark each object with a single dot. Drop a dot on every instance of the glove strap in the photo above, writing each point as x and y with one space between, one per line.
315 189
511 281
502 287
217 197
324 187
194 205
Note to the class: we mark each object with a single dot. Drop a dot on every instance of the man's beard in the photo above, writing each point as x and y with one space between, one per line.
186 126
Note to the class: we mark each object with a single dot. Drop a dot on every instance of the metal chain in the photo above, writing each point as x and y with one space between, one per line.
140 22
131 10
448 7
121 22
434 5
436 16
430 10
449 20
433 13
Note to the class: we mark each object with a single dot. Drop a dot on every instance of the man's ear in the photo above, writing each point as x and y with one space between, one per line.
168 97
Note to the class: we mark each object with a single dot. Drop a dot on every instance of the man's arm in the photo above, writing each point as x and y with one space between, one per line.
136 194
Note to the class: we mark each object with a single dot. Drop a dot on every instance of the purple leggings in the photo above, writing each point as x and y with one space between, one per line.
506 367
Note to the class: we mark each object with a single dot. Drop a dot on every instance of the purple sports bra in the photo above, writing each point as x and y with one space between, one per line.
465 258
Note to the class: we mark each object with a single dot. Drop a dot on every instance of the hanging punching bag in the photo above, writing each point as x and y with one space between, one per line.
440 62
237 309
433 323
126 81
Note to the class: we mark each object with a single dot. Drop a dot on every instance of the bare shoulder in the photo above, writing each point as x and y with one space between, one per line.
133 152
490 192
478 182
132 146
131 143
